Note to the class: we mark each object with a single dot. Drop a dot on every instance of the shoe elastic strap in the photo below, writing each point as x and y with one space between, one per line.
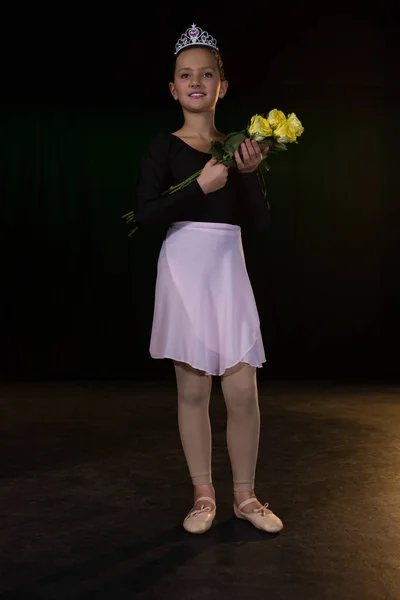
205 498
246 502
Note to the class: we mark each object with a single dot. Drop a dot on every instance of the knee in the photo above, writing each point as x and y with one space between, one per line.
194 386
243 400
193 397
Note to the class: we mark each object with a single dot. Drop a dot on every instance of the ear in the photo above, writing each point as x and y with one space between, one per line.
173 91
223 89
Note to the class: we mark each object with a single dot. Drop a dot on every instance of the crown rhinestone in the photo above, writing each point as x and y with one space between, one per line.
195 36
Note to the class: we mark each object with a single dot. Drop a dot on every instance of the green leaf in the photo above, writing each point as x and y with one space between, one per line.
263 168
278 146
266 142
217 149
234 134
229 162
229 150
234 140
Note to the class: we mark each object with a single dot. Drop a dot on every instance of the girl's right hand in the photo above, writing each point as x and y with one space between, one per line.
213 177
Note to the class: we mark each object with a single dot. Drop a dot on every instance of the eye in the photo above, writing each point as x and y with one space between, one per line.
184 75
208 74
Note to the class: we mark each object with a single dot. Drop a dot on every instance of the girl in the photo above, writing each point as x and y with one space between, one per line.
205 316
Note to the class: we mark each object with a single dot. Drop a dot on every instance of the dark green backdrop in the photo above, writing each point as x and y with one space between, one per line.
77 293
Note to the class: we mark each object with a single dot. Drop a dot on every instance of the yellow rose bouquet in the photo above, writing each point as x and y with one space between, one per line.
274 130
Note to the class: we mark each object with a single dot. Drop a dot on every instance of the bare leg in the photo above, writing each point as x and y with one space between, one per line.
194 390
239 387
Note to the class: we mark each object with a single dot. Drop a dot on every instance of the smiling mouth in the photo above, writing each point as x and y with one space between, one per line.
196 95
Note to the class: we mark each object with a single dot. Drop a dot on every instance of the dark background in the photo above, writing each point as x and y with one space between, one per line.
83 91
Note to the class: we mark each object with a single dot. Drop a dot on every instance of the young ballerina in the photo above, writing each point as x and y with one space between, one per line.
205 315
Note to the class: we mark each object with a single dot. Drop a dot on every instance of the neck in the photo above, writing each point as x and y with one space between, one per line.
199 125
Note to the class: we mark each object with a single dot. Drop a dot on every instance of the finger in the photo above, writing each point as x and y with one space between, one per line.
238 159
250 149
256 155
256 147
265 150
212 160
245 153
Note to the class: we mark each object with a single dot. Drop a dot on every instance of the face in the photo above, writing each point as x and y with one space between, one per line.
197 83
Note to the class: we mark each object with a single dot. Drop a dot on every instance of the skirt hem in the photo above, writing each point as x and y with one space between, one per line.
259 364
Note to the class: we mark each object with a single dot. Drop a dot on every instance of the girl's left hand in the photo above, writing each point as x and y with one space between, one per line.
251 156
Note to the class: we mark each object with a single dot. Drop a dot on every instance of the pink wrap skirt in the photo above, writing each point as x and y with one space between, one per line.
205 313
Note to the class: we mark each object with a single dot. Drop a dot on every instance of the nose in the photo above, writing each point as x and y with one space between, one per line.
195 81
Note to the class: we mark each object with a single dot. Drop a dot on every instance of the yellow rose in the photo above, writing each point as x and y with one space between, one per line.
285 133
259 128
275 118
295 124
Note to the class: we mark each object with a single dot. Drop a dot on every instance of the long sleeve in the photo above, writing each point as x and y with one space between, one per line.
254 201
152 208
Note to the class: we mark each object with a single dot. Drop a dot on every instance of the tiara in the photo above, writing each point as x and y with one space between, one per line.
195 36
